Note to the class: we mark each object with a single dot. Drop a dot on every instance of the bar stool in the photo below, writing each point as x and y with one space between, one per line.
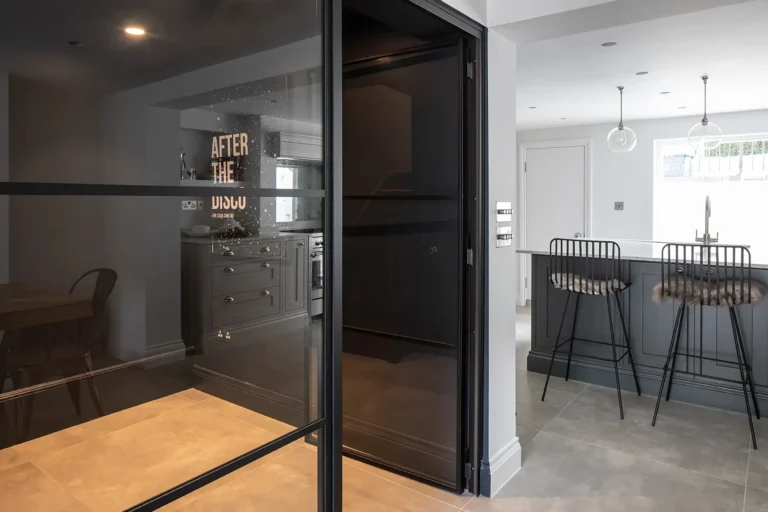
589 267
719 276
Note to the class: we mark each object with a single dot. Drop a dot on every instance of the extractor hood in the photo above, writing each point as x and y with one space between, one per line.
294 146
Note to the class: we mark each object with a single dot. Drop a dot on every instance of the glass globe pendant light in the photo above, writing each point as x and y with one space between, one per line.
705 135
622 139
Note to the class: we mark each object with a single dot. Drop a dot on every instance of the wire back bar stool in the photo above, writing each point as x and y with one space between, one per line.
718 276
590 267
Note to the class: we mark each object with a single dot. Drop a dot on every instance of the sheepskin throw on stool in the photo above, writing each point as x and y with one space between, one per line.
723 293
581 284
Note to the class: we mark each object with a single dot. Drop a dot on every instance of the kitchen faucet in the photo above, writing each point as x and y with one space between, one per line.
707 239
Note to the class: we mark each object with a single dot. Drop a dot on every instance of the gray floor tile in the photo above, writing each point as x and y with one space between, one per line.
531 411
757 501
704 440
758 459
565 475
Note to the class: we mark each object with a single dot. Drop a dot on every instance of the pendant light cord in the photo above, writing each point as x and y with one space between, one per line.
621 107
705 121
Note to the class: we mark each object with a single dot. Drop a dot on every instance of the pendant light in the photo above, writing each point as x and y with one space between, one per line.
622 139
705 135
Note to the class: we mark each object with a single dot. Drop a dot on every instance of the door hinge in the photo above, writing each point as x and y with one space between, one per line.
525 166
469 474
470 70
526 282
470 257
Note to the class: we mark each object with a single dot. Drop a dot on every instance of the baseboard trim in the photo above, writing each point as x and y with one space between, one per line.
504 465
707 393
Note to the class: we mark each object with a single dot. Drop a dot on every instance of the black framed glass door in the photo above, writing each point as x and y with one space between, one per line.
166 169
404 247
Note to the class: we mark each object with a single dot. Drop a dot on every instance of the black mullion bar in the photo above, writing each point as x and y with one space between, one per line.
330 406
17 188
225 469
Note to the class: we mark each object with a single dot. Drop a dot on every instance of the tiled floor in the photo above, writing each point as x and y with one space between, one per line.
579 456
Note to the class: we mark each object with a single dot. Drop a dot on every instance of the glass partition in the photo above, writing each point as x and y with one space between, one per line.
161 254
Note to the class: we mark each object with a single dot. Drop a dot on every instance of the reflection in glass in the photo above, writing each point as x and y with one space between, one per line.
145 340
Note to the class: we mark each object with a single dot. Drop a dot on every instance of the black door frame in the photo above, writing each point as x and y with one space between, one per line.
329 423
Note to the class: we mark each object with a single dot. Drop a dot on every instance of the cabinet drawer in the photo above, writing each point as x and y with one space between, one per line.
244 277
232 251
244 307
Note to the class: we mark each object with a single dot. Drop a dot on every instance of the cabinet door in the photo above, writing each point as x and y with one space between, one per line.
296 283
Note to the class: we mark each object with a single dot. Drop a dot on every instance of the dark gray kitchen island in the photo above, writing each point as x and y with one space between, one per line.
706 331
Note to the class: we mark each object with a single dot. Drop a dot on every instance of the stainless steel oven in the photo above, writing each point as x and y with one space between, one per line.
316 273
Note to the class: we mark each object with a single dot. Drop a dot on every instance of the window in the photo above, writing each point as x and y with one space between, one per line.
735 177
286 179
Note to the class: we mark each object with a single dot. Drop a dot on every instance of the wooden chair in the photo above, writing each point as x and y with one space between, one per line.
37 354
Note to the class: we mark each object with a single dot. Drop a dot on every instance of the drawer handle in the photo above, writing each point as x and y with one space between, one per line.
228 270
265 293
266 265
229 300
301 244
266 249
229 253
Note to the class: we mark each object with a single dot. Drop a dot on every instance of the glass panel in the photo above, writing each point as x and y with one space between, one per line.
402 270
224 84
189 341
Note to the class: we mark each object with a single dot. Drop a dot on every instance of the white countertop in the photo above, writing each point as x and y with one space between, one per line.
644 250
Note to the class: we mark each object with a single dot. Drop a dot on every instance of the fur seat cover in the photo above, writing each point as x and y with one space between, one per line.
580 284
724 293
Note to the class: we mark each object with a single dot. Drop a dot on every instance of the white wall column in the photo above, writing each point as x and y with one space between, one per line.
502 457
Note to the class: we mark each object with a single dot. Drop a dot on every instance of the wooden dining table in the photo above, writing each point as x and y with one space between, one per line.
26 306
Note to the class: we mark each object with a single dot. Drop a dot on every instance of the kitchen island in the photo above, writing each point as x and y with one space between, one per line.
706 331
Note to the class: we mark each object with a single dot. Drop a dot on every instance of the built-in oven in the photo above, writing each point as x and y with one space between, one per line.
316 273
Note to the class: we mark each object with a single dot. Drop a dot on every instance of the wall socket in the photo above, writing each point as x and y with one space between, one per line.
618 206
189 205
200 205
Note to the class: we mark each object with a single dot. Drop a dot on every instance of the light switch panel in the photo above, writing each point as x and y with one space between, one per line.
504 212
618 206
504 236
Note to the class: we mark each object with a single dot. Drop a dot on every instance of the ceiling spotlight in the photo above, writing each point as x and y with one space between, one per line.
665 92
563 118
608 44
532 108
74 43
682 107
640 73
135 31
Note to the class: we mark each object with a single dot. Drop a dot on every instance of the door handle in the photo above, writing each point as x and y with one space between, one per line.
229 253
229 300
577 235
265 265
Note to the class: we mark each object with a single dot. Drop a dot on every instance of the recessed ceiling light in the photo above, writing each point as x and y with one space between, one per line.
665 92
532 108
682 107
74 43
608 44
640 73
135 31
563 118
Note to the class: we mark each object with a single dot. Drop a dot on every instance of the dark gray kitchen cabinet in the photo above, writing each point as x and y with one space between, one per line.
296 282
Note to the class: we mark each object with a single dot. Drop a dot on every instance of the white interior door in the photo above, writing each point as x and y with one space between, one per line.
555 197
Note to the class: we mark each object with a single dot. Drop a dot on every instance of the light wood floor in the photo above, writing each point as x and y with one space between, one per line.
121 459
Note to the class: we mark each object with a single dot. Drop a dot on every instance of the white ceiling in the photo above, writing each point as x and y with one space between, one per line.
576 78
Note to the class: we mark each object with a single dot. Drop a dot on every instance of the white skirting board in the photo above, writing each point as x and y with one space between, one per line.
502 467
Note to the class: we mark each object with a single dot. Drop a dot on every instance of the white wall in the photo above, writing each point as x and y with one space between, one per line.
475 9
511 11
503 455
4 211
628 177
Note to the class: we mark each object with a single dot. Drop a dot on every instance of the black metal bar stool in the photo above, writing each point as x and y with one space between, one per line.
589 267
718 276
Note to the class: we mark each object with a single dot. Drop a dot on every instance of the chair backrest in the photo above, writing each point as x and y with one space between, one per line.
711 272
590 259
105 283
